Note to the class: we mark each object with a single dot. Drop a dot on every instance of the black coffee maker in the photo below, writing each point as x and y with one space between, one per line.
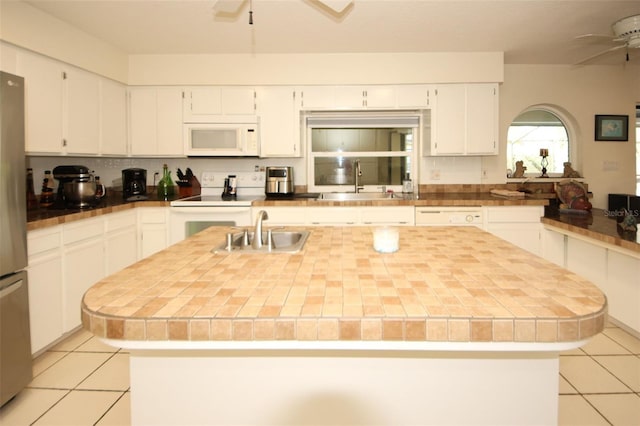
134 184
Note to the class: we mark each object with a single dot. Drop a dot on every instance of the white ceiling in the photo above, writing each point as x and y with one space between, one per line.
527 31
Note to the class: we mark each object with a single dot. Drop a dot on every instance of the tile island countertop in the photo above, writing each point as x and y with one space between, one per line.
445 284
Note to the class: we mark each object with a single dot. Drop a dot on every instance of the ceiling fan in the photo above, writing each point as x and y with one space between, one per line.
626 36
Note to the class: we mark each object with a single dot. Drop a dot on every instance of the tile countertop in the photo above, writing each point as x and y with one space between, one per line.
43 218
445 284
596 225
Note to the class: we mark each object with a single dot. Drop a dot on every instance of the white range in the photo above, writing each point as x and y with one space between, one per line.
193 214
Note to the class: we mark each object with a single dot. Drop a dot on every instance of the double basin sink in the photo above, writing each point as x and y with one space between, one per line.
272 242
356 196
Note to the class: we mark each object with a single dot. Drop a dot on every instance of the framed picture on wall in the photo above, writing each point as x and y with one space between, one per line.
612 127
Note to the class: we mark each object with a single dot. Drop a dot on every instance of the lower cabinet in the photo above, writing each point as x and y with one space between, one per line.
338 216
121 240
153 230
82 265
614 270
519 225
45 286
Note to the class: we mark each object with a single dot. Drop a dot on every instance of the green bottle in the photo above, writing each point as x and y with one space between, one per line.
165 186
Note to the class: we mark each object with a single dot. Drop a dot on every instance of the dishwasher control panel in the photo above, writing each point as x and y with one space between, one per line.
449 216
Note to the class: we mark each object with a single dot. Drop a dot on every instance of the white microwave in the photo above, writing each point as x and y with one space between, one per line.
222 140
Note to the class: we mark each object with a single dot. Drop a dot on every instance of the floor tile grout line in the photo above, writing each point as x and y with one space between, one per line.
597 411
51 407
96 369
608 371
110 407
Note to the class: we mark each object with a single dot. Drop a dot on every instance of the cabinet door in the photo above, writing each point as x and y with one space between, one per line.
388 215
587 260
380 97
82 131
349 97
142 120
203 101
413 96
169 124
45 299
238 100
43 103
333 215
482 119
45 286
623 292
279 122
448 121
317 97
83 267
121 240
113 114
153 238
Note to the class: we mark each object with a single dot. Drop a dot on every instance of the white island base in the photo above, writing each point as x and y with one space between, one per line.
383 384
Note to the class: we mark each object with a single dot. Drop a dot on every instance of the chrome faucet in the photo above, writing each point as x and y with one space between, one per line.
358 175
257 243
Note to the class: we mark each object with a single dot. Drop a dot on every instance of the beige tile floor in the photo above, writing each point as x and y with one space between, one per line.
84 382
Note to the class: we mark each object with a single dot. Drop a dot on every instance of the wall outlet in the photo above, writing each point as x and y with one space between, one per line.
435 174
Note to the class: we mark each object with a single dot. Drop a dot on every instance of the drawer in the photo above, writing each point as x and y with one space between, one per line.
41 241
153 215
514 214
115 221
82 230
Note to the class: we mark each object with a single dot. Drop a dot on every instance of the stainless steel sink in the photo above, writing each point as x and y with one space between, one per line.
274 242
355 196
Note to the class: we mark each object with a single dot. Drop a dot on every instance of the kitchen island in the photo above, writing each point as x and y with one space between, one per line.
457 327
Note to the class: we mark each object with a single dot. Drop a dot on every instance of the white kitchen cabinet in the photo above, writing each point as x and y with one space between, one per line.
279 121
623 289
113 118
153 230
81 128
155 121
83 265
45 286
43 102
348 97
333 216
281 216
553 246
464 120
587 260
213 103
520 225
392 215
414 96
121 240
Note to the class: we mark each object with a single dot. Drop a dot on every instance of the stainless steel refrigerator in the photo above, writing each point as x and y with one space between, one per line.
15 338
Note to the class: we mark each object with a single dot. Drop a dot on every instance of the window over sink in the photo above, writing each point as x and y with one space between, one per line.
384 145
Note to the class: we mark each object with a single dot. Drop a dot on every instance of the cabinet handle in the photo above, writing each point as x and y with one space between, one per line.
64 142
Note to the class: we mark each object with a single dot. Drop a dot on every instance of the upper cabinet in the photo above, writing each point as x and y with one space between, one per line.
113 113
155 121
464 120
279 121
218 103
81 127
374 97
69 110
43 102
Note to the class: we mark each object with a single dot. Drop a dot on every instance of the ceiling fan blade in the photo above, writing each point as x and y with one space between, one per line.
604 52
594 37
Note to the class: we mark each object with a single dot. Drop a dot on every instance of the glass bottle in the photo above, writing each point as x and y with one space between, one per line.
99 188
165 186
47 175
46 195
32 201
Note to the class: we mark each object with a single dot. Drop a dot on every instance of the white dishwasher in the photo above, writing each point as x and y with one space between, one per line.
449 216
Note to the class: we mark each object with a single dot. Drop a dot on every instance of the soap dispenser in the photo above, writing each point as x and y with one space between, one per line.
407 185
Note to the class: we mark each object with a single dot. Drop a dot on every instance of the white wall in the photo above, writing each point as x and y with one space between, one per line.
582 92
353 68
25 26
